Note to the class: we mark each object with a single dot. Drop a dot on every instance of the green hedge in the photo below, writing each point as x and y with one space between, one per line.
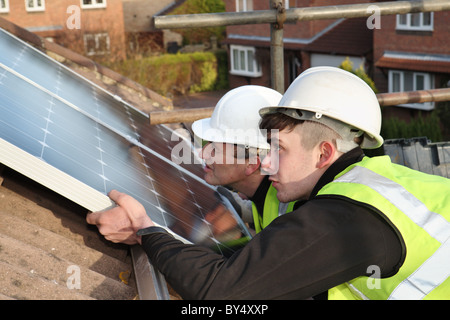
171 74
428 126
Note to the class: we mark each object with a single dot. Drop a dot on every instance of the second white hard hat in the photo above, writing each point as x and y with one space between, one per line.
235 118
338 95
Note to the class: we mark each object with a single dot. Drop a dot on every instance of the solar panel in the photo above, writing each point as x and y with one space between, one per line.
81 141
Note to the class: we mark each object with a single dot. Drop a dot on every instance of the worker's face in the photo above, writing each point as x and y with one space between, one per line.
221 165
292 168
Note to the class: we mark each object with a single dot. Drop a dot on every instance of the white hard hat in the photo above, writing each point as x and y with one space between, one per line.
336 94
235 118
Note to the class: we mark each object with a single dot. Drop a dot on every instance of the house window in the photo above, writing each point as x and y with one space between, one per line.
96 44
35 5
400 81
421 21
243 61
4 6
244 5
247 5
93 4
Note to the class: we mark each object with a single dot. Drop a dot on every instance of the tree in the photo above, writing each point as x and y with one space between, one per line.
199 35
347 65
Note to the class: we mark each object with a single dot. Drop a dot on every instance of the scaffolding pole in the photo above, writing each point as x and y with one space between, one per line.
385 99
299 14
276 47
277 16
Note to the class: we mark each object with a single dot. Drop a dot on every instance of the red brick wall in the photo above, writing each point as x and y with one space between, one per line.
300 30
265 80
387 38
109 19
303 29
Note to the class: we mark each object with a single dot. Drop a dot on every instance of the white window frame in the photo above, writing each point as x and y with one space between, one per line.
243 53
94 5
428 80
247 5
4 8
408 25
35 7
96 37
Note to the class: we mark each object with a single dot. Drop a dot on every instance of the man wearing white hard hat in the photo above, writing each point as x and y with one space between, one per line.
232 149
365 228
398 218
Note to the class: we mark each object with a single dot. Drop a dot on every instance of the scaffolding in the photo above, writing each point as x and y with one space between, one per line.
384 99
276 17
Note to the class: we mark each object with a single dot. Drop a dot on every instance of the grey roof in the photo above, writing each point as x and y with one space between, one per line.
45 240
420 154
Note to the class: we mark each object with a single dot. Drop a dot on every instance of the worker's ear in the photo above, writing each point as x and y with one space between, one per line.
253 164
327 154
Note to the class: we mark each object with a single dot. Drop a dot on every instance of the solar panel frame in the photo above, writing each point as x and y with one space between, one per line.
113 123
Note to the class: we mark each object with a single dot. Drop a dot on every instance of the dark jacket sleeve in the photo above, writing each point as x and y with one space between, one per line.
299 255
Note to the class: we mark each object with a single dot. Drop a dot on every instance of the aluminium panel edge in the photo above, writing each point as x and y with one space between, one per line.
15 158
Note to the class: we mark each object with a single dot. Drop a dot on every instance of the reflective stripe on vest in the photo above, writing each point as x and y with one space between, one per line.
436 269
418 206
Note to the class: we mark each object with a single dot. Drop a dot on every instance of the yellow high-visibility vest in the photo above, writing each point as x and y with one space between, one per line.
272 209
418 205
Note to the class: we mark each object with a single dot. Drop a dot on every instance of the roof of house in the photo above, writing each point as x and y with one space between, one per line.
343 37
350 37
415 62
420 154
46 244
138 14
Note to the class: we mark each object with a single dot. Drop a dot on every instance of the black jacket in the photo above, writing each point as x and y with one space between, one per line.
326 241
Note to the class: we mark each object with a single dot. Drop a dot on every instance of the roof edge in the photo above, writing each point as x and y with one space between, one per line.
46 45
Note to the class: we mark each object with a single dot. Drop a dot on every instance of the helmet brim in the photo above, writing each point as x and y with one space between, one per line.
246 137
371 141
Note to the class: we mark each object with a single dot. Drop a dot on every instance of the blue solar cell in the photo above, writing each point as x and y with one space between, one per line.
78 128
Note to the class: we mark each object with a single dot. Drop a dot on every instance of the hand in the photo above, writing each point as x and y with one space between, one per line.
121 223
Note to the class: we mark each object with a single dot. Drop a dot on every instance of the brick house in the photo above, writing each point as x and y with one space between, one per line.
90 27
412 52
306 43
407 52
142 37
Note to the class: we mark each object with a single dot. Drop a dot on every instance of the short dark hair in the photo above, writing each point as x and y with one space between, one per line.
278 121
314 133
